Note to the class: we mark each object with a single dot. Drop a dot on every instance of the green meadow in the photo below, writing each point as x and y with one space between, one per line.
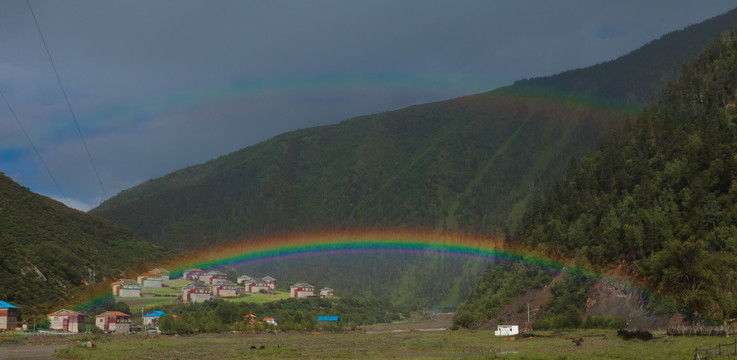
597 344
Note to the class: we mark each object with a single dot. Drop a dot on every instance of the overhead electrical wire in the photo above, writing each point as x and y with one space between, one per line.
74 117
32 145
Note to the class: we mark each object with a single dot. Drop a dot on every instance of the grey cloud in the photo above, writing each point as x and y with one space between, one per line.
139 73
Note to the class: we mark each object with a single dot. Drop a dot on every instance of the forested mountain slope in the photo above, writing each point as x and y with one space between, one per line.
48 252
467 165
658 197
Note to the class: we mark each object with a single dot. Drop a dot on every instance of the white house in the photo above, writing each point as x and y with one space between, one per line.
8 316
126 288
326 291
150 320
506 330
163 273
300 290
225 288
66 320
192 274
114 321
150 280
196 292
271 320
211 277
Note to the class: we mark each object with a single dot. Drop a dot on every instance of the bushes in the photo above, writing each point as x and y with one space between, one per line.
643 335
293 314
600 322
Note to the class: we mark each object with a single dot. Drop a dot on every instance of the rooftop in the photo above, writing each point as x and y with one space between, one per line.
113 313
7 305
157 313
65 312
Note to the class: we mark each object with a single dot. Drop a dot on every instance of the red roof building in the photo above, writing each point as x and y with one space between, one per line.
192 274
66 320
114 321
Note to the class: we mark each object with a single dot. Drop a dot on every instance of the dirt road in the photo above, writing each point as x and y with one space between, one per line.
28 352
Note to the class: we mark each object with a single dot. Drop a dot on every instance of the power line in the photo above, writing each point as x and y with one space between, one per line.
69 105
32 145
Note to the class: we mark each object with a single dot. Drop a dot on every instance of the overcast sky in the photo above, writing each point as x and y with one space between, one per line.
160 85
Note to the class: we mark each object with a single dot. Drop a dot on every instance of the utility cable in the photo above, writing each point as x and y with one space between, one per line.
74 117
32 145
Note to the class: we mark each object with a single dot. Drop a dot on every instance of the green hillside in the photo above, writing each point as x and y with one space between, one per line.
467 165
48 250
657 199
459 165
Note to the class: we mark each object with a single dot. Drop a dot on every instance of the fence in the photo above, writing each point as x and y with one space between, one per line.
720 351
702 331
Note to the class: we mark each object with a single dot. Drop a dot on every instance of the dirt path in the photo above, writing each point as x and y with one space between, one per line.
439 322
28 352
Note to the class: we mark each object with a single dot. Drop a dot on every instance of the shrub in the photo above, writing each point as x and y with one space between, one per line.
643 335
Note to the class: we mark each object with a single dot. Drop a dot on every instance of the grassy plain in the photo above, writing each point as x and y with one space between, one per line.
597 344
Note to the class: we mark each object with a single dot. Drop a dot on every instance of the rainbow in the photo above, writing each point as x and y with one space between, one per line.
280 248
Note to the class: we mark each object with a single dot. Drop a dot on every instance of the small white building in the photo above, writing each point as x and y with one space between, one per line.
114 321
8 316
271 321
126 288
326 291
196 292
66 320
163 273
506 330
301 290
211 277
225 288
255 285
151 320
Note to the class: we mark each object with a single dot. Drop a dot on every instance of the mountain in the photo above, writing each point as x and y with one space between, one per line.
51 252
467 165
636 78
656 200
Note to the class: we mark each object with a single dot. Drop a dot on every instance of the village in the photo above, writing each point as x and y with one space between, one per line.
195 286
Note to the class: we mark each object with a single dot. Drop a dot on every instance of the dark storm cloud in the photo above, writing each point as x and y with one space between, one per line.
159 85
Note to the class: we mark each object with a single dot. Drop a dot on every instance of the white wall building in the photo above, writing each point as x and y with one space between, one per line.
506 330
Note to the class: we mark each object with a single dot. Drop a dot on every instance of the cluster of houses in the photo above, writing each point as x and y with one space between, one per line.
115 322
204 285
207 284
72 321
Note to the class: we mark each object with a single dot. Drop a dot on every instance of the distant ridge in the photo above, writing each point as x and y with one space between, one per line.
639 76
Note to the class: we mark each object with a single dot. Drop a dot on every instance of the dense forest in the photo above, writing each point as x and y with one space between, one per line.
293 314
656 199
49 253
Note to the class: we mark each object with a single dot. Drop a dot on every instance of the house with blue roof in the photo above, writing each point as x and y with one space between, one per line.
8 316
150 320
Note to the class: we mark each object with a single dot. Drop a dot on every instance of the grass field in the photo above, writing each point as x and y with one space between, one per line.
597 344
